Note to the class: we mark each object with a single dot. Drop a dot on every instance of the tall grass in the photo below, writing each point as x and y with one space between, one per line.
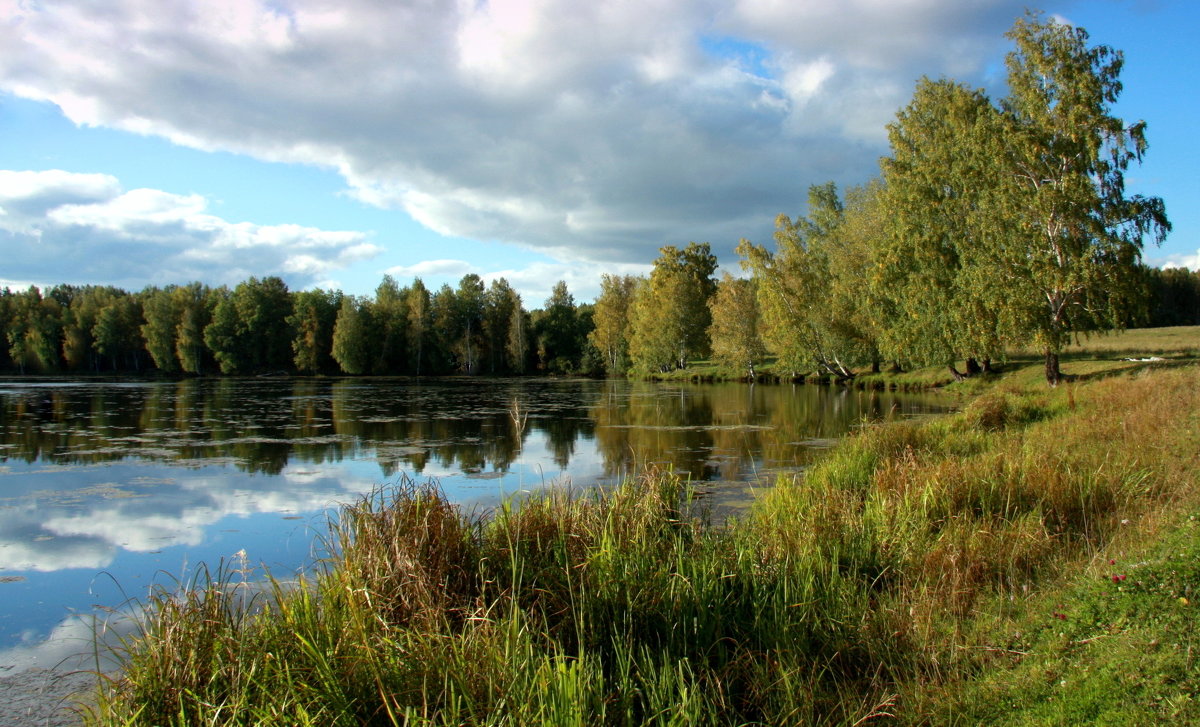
867 588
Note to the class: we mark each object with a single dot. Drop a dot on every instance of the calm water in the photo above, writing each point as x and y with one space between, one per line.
108 487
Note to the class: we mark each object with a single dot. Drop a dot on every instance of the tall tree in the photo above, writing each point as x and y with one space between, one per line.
196 303
445 320
497 317
469 307
735 332
557 331
856 312
34 334
44 335
79 321
610 334
117 333
352 339
419 322
314 315
390 314
1075 235
516 349
160 309
7 311
249 330
223 335
931 276
796 288
671 316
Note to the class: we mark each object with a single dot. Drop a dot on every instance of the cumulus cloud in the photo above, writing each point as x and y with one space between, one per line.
596 130
534 281
432 268
131 238
1189 262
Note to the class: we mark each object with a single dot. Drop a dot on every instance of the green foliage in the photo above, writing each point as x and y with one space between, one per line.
611 321
1174 297
35 331
993 227
1015 217
558 332
389 314
670 318
516 349
196 305
249 332
160 310
117 333
314 316
943 299
419 325
734 331
502 305
353 336
1078 235
808 309
7 321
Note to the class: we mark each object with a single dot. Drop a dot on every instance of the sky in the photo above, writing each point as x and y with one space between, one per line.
150 142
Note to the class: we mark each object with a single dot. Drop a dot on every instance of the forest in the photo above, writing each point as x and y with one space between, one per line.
991 225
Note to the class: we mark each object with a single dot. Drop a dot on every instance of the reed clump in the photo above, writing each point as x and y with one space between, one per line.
890 575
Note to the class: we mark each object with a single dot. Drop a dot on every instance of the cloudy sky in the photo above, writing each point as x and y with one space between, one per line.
158 141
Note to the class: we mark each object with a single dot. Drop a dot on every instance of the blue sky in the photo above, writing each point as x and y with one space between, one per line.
158 141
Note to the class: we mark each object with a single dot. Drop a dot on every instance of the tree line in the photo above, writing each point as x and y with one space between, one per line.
260 327
991 225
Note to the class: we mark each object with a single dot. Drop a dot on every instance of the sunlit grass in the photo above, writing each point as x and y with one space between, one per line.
1090 355
1177 341
914 572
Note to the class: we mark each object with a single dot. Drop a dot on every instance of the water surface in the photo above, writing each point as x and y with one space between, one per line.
107 486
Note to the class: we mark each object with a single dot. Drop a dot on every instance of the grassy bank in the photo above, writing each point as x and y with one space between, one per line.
1089 356
962 569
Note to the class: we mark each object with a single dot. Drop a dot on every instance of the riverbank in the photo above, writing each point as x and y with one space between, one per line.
1126 351
924 570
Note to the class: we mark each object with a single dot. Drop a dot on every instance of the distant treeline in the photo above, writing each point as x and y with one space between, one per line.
991 226
261 327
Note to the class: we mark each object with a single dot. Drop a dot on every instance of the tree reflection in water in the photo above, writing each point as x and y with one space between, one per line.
141 478
710 432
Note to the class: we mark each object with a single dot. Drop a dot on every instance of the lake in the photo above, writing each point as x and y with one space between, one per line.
108 487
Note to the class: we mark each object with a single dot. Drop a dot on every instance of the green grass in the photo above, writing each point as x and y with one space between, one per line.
1117 645
1092 357
941 571
1098 354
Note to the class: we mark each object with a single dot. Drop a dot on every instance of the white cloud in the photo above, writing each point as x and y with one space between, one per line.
583 281
534 281
432 268
131 238
1191 262
600 129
